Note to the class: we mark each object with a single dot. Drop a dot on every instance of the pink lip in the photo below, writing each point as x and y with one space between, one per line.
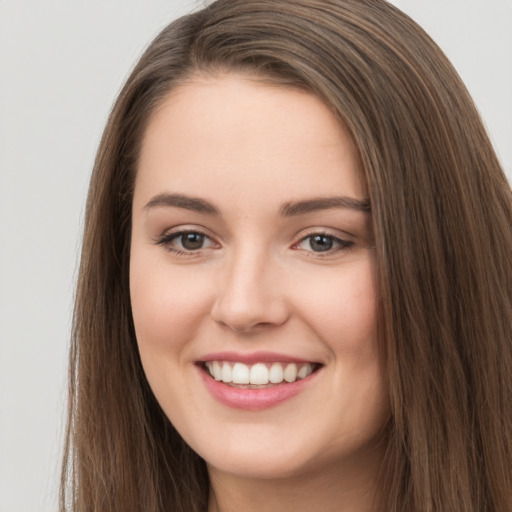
253 399
255 357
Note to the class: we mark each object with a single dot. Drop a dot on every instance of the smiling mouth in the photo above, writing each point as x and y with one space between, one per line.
259 375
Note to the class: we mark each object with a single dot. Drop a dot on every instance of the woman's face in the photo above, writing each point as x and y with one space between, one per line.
252 279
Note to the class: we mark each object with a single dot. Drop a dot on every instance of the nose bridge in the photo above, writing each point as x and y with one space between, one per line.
248 292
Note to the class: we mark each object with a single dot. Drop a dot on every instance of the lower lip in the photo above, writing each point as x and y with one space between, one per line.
253 399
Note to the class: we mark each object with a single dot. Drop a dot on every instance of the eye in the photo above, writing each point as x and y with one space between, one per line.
184 242
322 243
191 241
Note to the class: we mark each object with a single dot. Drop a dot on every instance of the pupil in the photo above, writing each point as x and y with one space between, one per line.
192 241
320 243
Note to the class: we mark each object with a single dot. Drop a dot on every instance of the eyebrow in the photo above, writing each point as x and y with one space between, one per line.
181 201
288 209
324 203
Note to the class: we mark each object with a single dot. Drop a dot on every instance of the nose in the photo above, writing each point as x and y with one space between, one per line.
250 295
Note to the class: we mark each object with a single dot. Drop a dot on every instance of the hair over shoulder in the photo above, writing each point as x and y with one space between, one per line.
442 219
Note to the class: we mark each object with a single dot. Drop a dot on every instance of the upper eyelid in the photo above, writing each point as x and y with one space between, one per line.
327 235
178 230
332 232
342 241
176 234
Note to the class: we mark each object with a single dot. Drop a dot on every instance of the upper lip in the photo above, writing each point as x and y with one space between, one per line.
253 357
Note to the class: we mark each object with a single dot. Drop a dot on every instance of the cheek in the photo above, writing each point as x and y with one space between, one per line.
345 318
167 305
344 310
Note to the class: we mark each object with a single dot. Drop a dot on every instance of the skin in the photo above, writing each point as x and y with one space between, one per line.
258 284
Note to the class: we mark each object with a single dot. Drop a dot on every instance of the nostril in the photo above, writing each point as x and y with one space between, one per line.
246 329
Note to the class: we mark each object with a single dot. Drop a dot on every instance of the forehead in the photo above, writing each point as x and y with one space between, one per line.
248 137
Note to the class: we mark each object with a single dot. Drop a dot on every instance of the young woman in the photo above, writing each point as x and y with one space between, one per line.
295 287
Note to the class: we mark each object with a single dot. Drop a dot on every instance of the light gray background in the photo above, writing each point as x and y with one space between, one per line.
61 65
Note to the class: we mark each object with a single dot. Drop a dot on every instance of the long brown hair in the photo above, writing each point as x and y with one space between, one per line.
442 214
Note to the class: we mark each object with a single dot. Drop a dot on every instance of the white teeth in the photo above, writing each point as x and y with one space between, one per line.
276 373
259 373
304 371
226 373
216 371
240 373
290 373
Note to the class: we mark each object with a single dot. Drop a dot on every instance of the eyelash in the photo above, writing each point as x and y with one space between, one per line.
167 240
342 245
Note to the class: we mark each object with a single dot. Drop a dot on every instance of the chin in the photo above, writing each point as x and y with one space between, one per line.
260 466
261 452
